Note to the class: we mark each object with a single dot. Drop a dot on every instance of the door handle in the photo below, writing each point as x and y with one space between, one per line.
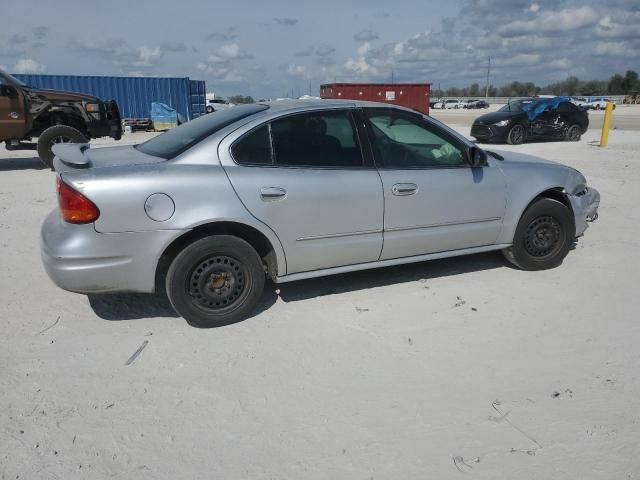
269 194
402 189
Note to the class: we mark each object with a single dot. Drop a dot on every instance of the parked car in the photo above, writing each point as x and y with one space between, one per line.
532 118
52 116
593 103
294 190
447 104
215 104
474 104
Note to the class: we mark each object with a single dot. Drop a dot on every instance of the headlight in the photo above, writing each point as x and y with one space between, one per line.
580 190
502 123
92 107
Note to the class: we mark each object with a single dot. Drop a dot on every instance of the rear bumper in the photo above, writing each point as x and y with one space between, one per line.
79 259
585 209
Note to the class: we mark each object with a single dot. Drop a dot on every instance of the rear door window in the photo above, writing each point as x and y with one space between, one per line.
316 139
254 148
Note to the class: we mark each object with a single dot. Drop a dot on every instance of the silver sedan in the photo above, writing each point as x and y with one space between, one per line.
294 190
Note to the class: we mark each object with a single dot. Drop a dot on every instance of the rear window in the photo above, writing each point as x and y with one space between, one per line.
172 143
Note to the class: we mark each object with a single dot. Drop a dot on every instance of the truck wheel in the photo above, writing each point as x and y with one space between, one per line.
210 110
543 237
215 281
54 135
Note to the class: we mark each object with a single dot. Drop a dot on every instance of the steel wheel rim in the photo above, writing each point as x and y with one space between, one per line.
543 237
218 283
574 133
516 134
60 139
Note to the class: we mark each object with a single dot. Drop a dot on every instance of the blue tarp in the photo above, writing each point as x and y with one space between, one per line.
163 116
538 106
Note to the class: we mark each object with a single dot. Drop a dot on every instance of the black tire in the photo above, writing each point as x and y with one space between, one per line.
515 135
544 236
573 134
210 109
54 135
597 107
215 281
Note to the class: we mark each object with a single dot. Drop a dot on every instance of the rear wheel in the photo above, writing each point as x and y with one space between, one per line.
210 109
215 281
515 135
55 135
574 133
543 237
597 107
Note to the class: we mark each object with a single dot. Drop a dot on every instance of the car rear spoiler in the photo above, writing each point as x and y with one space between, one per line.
71 155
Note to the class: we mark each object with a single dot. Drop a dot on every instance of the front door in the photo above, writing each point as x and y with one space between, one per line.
434 201
304 176
12 112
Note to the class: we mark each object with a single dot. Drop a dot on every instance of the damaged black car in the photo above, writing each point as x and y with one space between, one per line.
532 118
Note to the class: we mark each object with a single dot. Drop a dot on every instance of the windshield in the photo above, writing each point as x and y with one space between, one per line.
172 143
516 106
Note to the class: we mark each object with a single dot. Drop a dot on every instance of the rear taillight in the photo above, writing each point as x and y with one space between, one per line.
75 207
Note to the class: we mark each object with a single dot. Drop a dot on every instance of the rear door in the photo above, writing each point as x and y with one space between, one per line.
12 112
305 177
434 202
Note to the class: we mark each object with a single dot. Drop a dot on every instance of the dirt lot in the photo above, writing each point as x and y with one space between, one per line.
413 372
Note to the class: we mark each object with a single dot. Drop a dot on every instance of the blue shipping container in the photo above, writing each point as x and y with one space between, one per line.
134 95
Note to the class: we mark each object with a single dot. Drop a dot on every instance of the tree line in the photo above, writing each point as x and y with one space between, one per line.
572 86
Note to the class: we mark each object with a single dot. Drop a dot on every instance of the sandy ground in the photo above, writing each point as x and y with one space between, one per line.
461 368
624 117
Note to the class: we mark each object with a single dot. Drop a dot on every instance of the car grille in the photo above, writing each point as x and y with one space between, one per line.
481 131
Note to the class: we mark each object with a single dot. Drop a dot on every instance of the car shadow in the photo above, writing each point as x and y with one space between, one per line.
131 306
382 277
25 163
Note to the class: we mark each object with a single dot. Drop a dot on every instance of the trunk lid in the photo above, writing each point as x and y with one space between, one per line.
76 157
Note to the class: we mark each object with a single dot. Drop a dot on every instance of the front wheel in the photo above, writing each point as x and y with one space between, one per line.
543 237
210 109
215 281
55 135
515 135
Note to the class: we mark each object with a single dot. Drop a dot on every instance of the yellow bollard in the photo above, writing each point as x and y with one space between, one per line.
604 138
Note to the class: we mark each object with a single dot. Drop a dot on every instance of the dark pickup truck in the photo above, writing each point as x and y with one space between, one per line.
53 117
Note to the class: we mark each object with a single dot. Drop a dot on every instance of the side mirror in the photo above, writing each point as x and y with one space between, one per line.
477 157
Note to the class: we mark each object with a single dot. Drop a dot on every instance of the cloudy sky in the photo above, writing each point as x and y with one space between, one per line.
273 48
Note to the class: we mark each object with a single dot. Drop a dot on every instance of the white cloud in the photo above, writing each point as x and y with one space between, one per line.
27 65
297 70
364 48
149 56
552 21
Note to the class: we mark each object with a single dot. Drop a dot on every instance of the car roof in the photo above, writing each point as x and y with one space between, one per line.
278 106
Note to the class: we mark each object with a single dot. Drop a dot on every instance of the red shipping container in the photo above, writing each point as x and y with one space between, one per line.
410 95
